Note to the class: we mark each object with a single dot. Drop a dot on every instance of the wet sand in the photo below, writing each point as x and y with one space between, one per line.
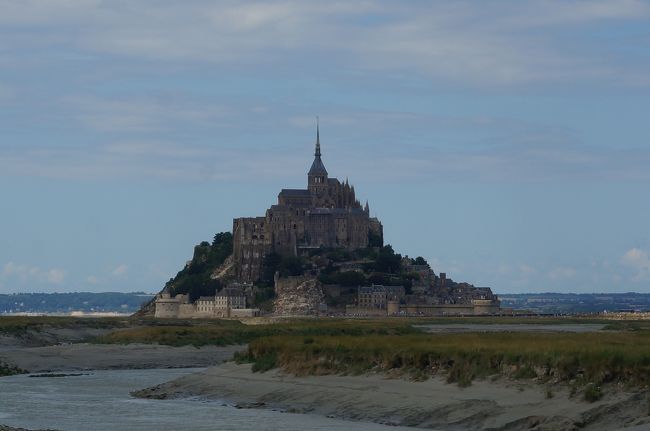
495 405
83 356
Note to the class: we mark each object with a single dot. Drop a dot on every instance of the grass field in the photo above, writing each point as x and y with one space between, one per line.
352 346
15 325
226 332
562 357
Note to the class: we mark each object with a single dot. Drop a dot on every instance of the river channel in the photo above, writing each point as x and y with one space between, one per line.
100 400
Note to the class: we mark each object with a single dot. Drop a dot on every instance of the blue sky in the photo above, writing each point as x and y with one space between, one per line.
509 143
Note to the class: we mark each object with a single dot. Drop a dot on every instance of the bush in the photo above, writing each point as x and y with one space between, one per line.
593 393
264 363
525 372
388 260
10 370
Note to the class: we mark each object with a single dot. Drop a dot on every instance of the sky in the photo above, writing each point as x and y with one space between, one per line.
506 142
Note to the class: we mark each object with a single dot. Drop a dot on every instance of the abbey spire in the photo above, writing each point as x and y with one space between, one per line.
317 173
317 153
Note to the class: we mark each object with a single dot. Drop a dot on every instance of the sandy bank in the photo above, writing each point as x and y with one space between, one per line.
74 357
430 404
6 428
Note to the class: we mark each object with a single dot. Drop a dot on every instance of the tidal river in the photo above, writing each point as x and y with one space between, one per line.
99 400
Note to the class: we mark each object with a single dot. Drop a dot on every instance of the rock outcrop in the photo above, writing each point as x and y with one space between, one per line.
297 296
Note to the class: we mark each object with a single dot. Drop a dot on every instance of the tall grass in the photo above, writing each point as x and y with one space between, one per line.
9 370
16 325
226 332
564 357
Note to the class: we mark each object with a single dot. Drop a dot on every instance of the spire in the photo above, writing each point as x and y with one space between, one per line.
317 167
367 208
317 154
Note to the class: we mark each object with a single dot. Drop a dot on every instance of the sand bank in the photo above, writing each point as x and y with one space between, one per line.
75 357
431 404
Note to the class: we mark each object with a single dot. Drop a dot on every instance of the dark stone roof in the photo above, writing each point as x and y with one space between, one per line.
317 167
335 211
295 192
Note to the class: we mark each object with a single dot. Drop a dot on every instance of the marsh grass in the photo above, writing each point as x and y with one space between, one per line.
592 392
18 325
228 332
393 346
10 370
562 357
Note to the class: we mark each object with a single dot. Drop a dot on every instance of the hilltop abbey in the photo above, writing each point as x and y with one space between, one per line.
325 214
344 266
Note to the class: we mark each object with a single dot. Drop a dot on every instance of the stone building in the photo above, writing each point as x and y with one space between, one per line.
376 296
229 302
325 214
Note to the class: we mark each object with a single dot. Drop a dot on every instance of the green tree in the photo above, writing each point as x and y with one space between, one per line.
374 240
388 260
195 279
420 261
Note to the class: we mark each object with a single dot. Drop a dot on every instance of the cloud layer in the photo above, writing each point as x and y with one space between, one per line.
509 42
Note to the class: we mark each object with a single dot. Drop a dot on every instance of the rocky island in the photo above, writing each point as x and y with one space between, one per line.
317 251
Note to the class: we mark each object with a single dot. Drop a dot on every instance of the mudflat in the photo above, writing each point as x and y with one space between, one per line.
435 404
84 356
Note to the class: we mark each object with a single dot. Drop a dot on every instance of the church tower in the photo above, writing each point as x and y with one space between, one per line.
317 176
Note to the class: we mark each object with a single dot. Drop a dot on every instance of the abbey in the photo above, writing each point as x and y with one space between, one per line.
325 214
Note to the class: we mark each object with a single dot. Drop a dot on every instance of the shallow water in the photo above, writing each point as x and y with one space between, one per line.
99 400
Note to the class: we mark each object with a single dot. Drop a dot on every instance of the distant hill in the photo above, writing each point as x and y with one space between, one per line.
86 302
576 302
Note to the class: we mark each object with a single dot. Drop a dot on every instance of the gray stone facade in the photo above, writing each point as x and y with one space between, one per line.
229 302
325 214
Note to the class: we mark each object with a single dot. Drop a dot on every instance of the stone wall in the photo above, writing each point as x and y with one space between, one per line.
252 240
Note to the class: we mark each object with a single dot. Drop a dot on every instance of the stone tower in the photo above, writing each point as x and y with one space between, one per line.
326 214
317 176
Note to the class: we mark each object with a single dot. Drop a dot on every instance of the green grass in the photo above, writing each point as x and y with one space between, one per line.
356 346
16 325
227 332
592 393
9 370
592 357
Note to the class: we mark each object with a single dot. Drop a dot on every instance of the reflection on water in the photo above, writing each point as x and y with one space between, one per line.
100 401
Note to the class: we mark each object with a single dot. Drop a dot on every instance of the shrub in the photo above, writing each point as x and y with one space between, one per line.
593 393
525 372
264 363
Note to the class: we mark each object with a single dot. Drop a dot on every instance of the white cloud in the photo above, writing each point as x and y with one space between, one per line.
55 276
120 270
562 273
91 279
31 274
639 261
456 41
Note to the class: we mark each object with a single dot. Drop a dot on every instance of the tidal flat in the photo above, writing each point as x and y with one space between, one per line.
569 373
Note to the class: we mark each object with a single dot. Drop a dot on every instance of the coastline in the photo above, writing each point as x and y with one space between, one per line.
433 404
